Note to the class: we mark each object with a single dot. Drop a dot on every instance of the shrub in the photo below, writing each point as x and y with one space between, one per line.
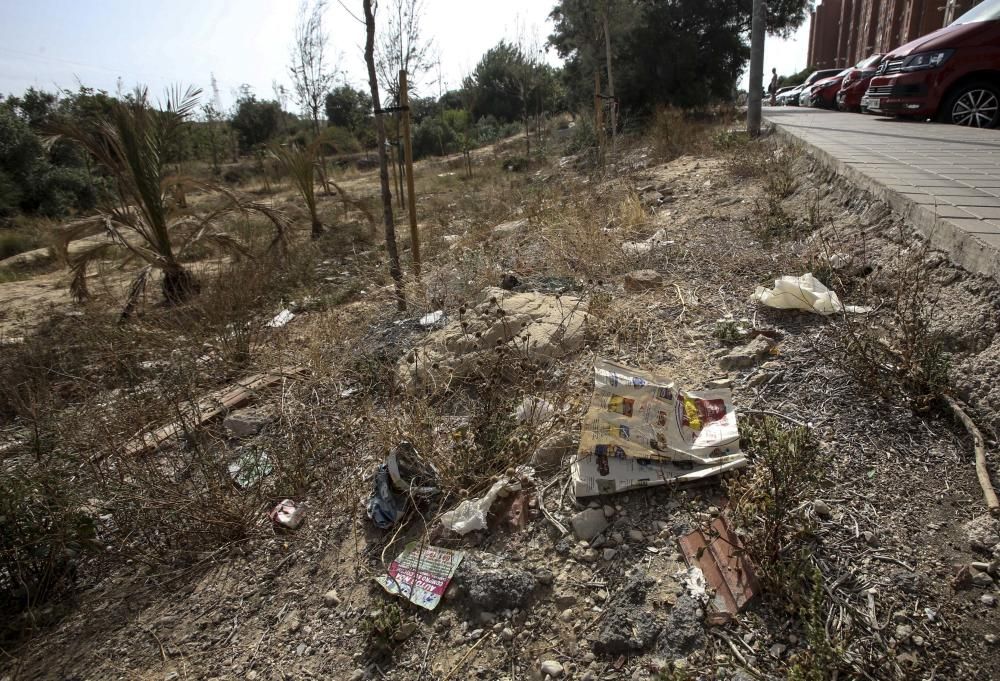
42 532
13 242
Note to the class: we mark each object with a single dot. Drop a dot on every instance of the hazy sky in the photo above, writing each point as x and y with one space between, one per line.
55 43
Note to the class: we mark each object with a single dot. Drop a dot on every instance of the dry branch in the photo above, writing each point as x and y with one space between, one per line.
982 472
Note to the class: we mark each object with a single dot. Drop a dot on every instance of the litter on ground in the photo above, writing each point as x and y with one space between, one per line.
421 574
281 319
288 514
718 555
402 476
470 515
641 430
803 293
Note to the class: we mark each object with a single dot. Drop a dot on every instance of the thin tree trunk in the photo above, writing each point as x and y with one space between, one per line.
383 165
757 29
611 84
411 203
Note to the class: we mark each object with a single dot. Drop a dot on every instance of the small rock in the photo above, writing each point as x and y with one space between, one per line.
983 533
609 554
719 383
982 580
903 632
331 598
747 356
636 536
609 512
870 538
990 638
509 282
643 280
566 615
552 668
777 650
507 634
822 508
405 631
301 650
989 600
357 675
589 523
588 676
246 422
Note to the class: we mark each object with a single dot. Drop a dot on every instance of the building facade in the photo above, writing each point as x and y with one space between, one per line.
844 32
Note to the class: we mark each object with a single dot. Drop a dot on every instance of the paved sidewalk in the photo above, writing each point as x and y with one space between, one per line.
945 179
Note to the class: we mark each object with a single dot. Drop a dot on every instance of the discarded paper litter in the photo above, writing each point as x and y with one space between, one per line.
281 319
470 515
288 514
402 475
250 468
803 293
421 574
641 430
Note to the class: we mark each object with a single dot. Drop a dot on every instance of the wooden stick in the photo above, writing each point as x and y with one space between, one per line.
982 472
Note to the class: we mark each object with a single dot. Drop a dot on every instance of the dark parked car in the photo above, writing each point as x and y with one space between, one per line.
952 74
855 83
791 97
823 93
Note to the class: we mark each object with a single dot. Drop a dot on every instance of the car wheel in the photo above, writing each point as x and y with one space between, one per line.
976 105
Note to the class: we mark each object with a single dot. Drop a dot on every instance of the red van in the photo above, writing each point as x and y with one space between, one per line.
952 74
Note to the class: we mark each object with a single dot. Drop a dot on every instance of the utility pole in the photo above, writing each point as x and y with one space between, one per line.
757 29
411 199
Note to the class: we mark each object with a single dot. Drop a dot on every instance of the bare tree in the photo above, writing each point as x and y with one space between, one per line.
383 162
312 76
401 48
525 75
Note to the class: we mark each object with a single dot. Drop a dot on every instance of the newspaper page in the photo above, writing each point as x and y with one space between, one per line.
421 573
642 430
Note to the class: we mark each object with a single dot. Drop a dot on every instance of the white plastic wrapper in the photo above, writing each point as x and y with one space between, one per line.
470 515
802 293
534 411
641 430
281 319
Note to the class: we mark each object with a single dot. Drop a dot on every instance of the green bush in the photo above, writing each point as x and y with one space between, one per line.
42 532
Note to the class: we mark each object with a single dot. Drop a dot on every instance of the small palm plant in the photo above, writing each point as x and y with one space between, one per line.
299 162
142 214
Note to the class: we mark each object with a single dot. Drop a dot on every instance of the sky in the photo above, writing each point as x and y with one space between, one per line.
56 44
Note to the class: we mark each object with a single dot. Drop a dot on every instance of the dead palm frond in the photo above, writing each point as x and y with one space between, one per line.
141 214
300 163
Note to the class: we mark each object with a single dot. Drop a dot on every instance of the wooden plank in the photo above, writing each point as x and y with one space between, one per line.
207 408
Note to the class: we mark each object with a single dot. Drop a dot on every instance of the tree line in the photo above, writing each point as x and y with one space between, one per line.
683 53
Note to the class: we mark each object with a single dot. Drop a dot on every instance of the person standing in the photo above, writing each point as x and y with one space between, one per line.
773 87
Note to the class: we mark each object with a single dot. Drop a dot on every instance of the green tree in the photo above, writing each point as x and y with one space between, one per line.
349 109
256 122
707 39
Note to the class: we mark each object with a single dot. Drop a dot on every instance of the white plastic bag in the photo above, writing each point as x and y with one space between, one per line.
470 515
802 293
